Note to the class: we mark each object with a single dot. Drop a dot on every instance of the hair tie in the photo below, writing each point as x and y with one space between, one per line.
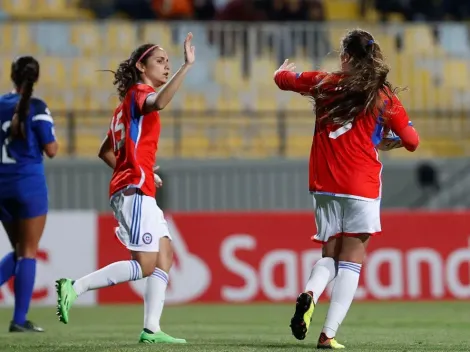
370 42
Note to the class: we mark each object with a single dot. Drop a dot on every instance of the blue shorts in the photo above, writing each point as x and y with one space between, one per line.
23 199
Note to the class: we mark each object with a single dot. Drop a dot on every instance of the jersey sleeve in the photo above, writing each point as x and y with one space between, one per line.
396 116
43 123
142 92
298 82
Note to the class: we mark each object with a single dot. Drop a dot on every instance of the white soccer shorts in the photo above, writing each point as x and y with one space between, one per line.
340 216
141 222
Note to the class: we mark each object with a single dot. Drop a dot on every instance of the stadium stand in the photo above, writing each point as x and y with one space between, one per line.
229 106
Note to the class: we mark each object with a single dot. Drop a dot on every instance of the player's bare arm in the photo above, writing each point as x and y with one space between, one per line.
160 100
106 153
286 78
51 149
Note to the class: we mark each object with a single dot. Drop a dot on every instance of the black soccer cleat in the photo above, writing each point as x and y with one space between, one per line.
300 322
28 326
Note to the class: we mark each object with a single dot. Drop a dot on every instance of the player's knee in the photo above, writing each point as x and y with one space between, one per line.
147 269
147 262
165 256
352 255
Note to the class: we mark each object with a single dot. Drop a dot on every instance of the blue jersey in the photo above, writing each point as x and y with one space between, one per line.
22 179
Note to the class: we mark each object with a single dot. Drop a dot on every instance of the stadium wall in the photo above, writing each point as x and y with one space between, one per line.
242 257
196 185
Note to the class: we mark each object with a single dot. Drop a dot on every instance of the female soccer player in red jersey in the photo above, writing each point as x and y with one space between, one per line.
354 107
129 149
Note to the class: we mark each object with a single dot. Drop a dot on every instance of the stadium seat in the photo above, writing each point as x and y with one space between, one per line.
57 102
262 70
194 102
341 10
86 37
5 69
160 34
54 72
229 72
194 147
84 73
299 147
14 6
120 38
18 39
418 39
455 74
87 144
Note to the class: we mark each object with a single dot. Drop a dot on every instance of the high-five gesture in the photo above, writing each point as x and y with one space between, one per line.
287 66
189 56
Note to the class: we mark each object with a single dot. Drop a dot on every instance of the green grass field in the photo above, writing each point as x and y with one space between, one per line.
369 327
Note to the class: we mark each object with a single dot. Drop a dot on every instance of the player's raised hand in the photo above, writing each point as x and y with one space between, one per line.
287 66
158 181
189 50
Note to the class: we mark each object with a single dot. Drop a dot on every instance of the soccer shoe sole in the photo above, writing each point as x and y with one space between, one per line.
176 341
297 324
148 340
329 347
60 305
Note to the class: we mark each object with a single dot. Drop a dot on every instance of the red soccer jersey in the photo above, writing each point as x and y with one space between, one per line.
135 141
344 159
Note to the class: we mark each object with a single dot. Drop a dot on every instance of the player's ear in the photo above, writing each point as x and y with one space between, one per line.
140 66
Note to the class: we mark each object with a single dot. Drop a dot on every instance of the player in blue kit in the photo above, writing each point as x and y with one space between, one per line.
26 133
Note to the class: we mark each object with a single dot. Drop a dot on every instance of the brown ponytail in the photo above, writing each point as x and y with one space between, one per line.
360 87
24 74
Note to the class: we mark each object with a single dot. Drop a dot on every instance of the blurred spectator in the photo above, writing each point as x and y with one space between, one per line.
173 9
296 10
241 10
316 11
386 7
458 10
135 9
101 8
204 10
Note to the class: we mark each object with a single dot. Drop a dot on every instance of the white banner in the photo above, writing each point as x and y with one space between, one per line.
67 249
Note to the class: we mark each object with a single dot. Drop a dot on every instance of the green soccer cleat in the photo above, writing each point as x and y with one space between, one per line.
66 295
158 337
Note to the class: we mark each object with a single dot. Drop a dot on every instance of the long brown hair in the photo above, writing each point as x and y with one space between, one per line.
360 87
24 74
127 73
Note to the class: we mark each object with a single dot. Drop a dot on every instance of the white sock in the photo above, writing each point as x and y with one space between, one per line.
322 273
154 299
110 275
342 296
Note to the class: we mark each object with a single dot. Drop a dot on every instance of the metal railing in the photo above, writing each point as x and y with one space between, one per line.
229 105
248 135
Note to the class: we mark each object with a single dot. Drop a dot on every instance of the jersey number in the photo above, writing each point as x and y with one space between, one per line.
118 126
6 159
340 131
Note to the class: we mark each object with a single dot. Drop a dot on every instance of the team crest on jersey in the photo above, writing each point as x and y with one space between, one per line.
147 238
